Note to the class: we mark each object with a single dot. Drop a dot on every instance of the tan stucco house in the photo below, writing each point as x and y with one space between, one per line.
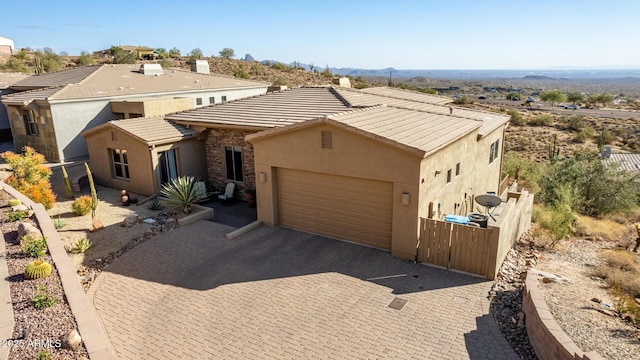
51 110
139 155
358 165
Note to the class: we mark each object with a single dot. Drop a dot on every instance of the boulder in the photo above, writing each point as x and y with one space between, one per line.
71 340
131 220
20 207
26 229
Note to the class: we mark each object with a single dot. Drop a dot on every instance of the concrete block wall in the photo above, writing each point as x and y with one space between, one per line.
546 336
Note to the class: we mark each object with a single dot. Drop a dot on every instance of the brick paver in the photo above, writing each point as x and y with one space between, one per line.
278 293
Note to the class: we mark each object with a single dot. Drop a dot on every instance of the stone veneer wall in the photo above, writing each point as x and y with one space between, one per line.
217 139
546 336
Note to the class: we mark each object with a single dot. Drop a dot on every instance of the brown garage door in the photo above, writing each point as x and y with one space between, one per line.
340 207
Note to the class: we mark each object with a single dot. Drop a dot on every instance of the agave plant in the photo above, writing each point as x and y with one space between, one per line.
183 191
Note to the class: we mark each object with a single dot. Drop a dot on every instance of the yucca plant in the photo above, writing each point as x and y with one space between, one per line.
81 245
183 191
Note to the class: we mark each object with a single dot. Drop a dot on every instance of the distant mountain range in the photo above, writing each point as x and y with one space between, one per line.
630 74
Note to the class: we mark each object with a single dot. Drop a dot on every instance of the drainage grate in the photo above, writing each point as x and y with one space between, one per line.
398 303
461 300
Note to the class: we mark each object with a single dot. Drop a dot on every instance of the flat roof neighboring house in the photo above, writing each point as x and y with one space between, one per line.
58 106
358 165
140 52
6 80
6 45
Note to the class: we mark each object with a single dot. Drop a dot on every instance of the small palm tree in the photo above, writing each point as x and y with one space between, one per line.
183 192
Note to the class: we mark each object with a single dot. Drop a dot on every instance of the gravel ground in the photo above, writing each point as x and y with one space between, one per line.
591 325
45 325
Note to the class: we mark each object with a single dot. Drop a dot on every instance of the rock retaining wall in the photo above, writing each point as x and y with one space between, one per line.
546 336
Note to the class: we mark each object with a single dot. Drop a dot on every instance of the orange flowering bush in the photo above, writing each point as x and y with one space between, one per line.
30 175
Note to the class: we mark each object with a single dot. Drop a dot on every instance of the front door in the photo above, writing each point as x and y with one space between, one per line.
168 165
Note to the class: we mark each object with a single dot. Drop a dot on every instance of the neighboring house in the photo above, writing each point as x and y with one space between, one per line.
140 52
141 154
6 46
359 165
6 80
53 109
629 162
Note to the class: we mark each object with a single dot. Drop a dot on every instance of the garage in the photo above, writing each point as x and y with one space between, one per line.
348 208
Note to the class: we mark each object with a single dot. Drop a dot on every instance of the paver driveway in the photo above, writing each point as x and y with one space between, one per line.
278 293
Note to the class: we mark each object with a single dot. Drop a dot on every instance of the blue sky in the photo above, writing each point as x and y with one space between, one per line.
372 34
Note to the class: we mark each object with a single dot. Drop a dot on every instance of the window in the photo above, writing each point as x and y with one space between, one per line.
120 164
30 123
224 98
494 151
448 176
233 162
198 101
212 100
458 169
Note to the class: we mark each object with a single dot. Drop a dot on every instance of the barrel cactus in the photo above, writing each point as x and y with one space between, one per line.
37 269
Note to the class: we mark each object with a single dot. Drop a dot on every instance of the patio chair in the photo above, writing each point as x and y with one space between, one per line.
228 193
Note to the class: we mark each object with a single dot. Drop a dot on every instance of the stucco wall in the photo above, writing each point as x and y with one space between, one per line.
143 161
73 117
477 175
216 140
351 155
139 158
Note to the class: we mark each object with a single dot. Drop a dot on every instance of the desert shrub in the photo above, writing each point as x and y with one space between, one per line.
34 246
82 205
463 100
256 68
516 117
279 66
43 355
541 120
597 189
43 299
30 176
58 223
279 81
81 245
40 193
240 72
574 122
527 171
155 204
619 269
17 215
558 221
585 134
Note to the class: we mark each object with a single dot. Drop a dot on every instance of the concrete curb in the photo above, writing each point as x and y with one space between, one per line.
6 306
243 230
93 336
546 336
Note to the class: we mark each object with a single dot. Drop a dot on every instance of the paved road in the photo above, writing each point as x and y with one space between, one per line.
278 293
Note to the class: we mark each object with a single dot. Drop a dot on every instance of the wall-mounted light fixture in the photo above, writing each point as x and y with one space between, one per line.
263 177
437 173
406 197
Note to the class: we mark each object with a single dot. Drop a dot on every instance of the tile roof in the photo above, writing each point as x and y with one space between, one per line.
415 131
407 95
125 80
26 97
421 102
626 161
266 111
151 130
58 78
8 79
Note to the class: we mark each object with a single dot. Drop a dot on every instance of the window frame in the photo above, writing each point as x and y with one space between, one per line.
224 98
449 177
198 101
212 100
30 122
457 169
237 170
494 151
120 163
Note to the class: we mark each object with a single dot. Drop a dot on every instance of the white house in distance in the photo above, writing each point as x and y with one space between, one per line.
6 45
51 110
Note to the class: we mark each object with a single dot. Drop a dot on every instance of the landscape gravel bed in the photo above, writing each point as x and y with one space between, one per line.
43 327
